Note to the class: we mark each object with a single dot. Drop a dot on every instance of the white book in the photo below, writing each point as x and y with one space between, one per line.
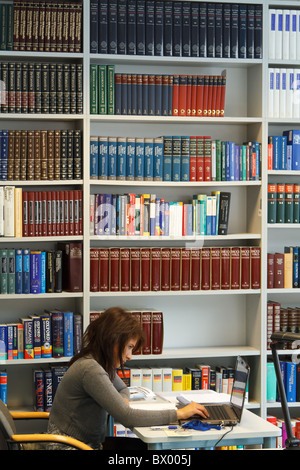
9 211
157 380
147 377
285 34
135 377
282 94
296 95
293 35
276 92
298 35
272 31
167 379
289 93
271 93
1 211
278 35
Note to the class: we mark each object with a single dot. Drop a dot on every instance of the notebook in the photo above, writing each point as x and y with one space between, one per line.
228 414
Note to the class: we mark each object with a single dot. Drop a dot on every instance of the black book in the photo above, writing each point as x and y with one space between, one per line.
203 29
177 29
250 32
195 29
112 27
211 19
186 29
242 28
94 27
149 24
122 27
103 27
159 28
140 26
58 271
131 27
168 28
226 29
234 32
219 30
258 32
224 212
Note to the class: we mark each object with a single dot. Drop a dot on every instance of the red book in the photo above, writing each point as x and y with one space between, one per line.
157 332
215 257
44 213
270 269
205 268
71 212
278 270
225 268
25 213
72 267
200 90
175 104
218 96
37 224
205 95
165 268
195 268
194 95
200 158
222 97
189 96
53 212
155 269
182 96
66 213
214 95
235 259
245 267
80 209
146 326
94 269
62 212
125 269
114 269
210 95
145 269
175 268
138 316
193 158
255 267
135 281
31 229
76 212
104 259
49 213
124 374
185 269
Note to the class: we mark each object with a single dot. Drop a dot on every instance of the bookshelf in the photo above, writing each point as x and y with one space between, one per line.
196 324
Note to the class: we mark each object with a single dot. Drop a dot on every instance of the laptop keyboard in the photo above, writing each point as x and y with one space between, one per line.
218 412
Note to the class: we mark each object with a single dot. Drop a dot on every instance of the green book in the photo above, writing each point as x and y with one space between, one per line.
280 217
93 89
11 276
272 203
102 89
4 271
110 89
289 203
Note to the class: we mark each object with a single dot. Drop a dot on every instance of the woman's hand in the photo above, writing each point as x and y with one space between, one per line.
192 409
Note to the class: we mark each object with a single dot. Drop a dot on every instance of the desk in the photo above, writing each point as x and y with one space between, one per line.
252 430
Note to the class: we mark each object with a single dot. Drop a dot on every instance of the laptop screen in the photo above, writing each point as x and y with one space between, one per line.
239 386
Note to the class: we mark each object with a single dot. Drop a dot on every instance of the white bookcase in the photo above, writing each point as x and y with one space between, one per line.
202 326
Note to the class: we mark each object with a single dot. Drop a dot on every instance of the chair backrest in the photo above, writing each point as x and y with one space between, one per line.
7 425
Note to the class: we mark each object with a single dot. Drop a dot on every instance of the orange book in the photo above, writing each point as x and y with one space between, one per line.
205 95
182 99
194 96
199 99
175 95
223 90
189 96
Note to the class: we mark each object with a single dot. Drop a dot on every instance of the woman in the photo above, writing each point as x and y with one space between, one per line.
91 389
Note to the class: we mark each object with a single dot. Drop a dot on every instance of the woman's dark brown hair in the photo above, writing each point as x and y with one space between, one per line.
114 326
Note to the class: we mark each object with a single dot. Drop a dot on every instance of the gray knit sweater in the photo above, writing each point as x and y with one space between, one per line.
86 396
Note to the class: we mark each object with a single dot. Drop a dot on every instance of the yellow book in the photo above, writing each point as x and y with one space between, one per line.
177 380
288 270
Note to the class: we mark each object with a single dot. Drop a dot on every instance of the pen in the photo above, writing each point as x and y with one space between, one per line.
158 428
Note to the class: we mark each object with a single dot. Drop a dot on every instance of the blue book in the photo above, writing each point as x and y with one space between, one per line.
295 266
211 26
189 217
68 334
158 147
151 95
43 272
57 328
3 342
231 150
57 375
139 94
130 158
148 159
226 29
158 90
124 91
26 271
185 158
19 271
121 158
290 381
218 30
176 158
94 157
277 150
293 139
167 158
134 91
112 158
250 31
3 386
102 158
139 159
35 272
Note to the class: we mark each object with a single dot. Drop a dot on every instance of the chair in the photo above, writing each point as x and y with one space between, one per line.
10 440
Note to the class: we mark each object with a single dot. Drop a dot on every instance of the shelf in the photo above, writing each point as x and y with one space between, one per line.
174 184
34 362
63 238
161 293
193 353
174 119
154 238
52 295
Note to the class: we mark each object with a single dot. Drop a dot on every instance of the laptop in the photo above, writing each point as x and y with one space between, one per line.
228 414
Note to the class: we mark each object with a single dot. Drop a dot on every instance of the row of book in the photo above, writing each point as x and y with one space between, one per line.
25 271
284 34
280 423
284 151
3 386
285 319
147 215
152 324
174 268
283 269
40 213
45 383
51 334
40 154
290 372
170 95
166 379
35 87
173 158
171 28
283 203
41 26
283 99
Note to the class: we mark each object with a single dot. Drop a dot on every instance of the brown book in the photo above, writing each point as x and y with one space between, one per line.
185 269
50 155
59 25
125 269
138 316
72 258
215 256
155 268
270 270
225 268
47 33
16 33
175 268
71 34
35 26
135 269
195 268
157 332
235 268
165 269
205 268
42 18
245 267
53 20
104 269
278 270
57 154
78 27
255 267
22 26
37 155
94 269
23 155
30 155
65 28
29 26
114 269
146 326
145 269
10 155
44 155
